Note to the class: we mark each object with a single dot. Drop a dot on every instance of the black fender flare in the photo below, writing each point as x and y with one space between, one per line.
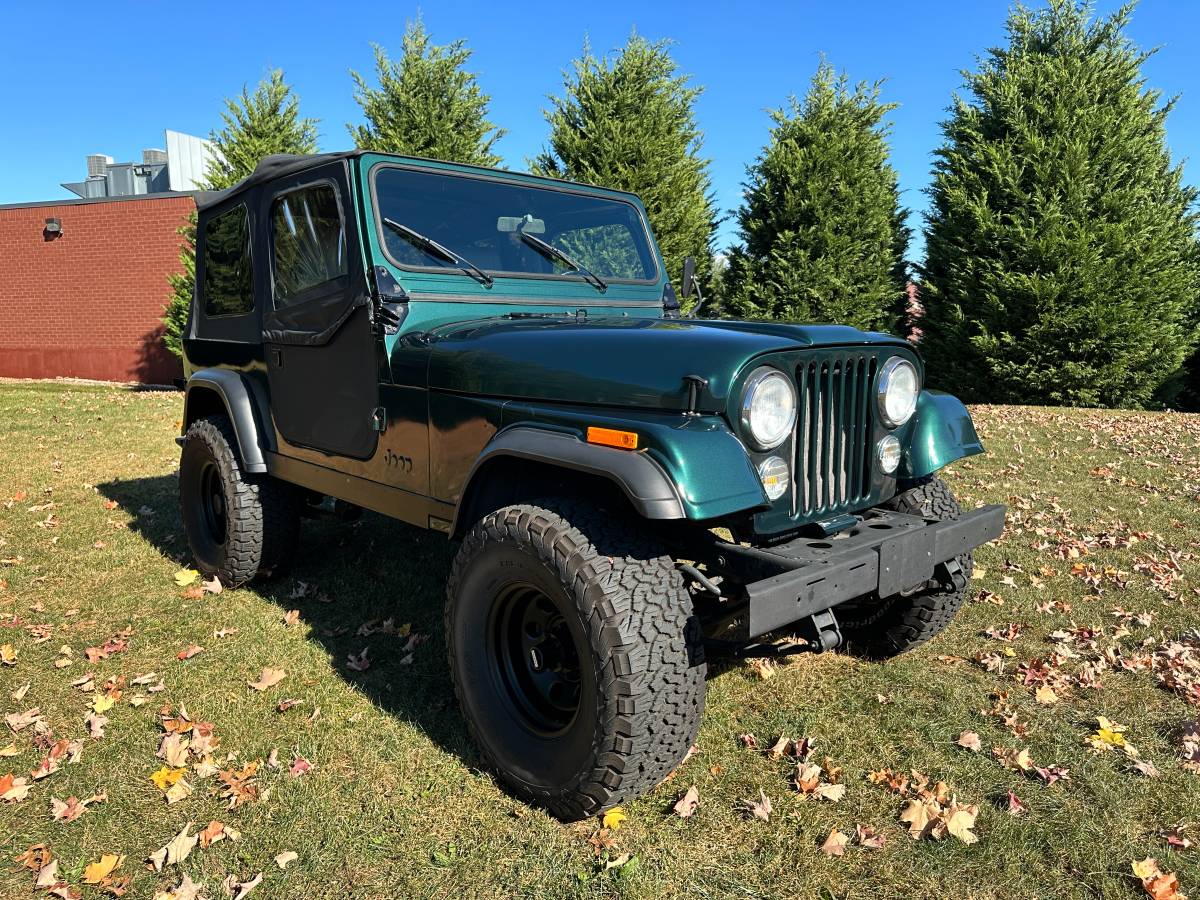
644 482
239 398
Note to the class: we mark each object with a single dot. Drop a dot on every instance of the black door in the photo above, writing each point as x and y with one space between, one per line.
319 342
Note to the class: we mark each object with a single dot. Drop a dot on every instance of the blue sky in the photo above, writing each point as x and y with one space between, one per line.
76 79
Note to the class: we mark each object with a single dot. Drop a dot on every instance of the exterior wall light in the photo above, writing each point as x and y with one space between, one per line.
52 228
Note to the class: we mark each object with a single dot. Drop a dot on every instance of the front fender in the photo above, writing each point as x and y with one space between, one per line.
941 432
708 466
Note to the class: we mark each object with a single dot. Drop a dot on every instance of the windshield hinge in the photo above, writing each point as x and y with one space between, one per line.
379 419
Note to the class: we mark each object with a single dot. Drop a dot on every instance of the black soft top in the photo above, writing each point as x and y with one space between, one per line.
268 169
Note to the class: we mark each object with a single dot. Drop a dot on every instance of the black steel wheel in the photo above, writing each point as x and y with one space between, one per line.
576 658
535 658
238 525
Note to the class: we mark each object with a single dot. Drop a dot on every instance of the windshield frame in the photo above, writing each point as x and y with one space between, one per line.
507 178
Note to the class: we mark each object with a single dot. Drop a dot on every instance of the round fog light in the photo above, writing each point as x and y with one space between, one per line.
774 475
889 454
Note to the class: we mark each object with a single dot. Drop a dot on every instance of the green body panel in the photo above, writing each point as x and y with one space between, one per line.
705 460
940 432
609 361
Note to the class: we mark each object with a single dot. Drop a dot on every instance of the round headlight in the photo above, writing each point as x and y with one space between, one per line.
897 391
768 408
775 477
889 454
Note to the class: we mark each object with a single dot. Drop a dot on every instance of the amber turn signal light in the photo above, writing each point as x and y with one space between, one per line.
611 437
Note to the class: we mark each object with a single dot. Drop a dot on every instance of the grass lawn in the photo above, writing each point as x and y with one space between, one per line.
1103 528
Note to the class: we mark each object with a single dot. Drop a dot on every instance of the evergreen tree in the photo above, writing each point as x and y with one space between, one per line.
256 125
1063 264
629 123
822 230
426 104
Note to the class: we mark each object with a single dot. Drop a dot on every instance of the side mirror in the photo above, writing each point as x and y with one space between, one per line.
689 276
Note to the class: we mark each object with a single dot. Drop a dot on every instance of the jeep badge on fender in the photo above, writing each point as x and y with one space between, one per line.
501 357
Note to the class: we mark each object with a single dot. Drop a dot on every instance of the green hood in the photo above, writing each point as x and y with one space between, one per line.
633 362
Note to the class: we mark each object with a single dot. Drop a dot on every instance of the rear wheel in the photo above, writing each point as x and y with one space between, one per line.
238 525
888 627
574 654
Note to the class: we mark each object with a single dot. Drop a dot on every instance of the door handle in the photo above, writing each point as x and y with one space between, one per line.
277 357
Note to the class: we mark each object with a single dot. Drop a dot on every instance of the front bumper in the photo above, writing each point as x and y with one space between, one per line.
885 554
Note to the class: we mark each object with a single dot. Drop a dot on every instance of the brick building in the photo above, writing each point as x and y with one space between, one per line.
85 300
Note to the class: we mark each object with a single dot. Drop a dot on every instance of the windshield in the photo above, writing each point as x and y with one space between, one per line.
484 220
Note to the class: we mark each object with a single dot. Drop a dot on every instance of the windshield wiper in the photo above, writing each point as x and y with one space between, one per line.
433 248
552 252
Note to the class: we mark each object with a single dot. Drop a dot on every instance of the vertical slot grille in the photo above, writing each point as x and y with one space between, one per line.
833 452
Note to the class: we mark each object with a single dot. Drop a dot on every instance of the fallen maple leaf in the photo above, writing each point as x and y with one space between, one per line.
13 789
291 617
300 766
760 808
613 819
359 662
835 844
868 837
17 721
186 890
8 655
96 872
269 678
238 890
189 651
969 740
165 777
174 749
686 806
95 723
960 821
184 577
176 850
1015 806
287 856
36 858
212 586
10 750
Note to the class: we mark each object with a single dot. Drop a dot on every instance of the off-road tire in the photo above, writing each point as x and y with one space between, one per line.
884 628
641 654
261 514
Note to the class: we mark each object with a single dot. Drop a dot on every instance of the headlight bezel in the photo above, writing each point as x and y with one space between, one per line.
753 384
884 383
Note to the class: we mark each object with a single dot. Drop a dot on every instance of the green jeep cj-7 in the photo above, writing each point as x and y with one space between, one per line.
501 357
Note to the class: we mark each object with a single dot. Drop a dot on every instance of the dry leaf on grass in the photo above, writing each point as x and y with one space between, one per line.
8 655
184 577
73 808
189 651
18 721
1158 884
187 890
291 617
97 872
835 844
969 740
867 836
269 678
359 662
237 890
613 819
758 809
13 789
287 856
176 850
686 806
